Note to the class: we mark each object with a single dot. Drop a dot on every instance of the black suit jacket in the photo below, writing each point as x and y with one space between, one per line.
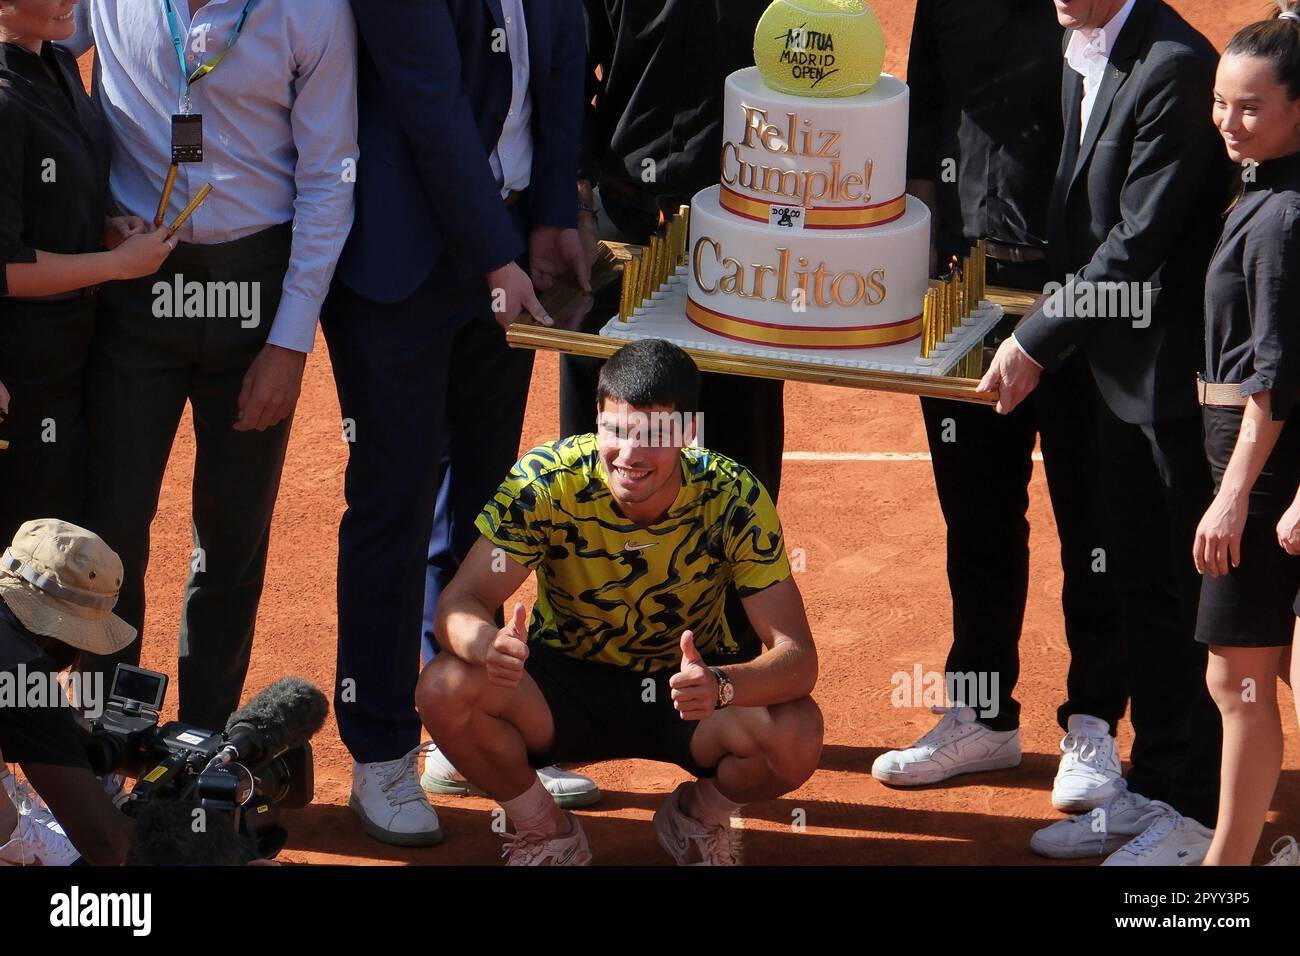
1140 200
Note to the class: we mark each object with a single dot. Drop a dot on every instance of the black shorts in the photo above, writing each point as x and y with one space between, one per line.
603 712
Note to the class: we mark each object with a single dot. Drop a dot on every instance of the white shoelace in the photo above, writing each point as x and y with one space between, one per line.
1086 749
944 730
398 780
1285 852
1166 821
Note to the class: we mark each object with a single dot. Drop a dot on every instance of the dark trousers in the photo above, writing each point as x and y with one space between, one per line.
422 382
982 467
143 370
1156 485
44 348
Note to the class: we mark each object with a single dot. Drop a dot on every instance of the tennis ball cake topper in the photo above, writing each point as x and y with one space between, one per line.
819 47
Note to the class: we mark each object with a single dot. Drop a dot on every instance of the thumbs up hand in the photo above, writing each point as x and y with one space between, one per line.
509 650
694 688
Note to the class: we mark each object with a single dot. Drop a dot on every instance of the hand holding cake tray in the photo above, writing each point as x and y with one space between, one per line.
809 254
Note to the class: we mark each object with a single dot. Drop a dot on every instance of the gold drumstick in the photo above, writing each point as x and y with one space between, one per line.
188 211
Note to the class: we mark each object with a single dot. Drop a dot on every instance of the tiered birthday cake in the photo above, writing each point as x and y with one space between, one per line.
810 240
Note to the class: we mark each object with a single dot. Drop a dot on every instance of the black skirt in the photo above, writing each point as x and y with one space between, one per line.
1251 606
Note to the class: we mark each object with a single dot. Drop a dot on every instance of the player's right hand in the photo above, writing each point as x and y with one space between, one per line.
505 658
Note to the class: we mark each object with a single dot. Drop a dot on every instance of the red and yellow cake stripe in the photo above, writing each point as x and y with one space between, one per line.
802 336
817 217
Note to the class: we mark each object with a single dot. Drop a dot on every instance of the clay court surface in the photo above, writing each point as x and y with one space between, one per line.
874 584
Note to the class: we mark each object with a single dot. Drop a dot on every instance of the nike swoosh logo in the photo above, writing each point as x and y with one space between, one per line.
638 547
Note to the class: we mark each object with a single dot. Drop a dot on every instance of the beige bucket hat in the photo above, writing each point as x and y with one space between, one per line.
62 581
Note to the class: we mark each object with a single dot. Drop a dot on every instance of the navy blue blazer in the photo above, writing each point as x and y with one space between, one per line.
432 95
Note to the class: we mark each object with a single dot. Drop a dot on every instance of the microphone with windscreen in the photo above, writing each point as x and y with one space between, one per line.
285 715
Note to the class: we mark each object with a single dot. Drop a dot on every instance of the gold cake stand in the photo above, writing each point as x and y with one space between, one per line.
568 304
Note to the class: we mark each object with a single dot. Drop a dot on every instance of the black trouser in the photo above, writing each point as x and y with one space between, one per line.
44 347
982 466
741 417
143 370
1155 484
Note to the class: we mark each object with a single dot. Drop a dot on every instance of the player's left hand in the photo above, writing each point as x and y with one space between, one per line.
554 252
1012 374
270 390
695 689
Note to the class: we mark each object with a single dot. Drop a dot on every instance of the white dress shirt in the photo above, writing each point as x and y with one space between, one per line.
512 160
1088 54
279 128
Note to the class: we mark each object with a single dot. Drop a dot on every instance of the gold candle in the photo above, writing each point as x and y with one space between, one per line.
166 199
188 211
926 316
981 264
625 293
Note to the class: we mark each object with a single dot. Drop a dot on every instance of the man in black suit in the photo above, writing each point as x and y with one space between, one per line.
1133 220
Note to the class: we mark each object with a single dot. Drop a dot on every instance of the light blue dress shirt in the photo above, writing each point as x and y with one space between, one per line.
279 124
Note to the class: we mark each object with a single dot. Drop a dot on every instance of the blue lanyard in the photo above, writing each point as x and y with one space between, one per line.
173 24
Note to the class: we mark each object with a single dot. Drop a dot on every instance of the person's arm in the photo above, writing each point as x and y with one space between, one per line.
100 832
1171 159
465 623
413 45
324 124
1218 536
1271 267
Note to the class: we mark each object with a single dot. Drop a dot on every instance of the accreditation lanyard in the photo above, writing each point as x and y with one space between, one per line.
188 78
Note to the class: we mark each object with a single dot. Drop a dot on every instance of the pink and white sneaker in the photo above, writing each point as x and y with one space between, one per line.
690 842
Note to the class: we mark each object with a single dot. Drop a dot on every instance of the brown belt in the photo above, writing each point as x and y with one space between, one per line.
513 197
1222 395
1005 252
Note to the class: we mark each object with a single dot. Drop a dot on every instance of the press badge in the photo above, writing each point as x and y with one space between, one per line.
187 138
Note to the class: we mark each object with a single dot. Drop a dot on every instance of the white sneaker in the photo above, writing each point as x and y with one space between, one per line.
1089 773
1285 852
1170 839
1099 832
534 849
393 809
37 840
688 841
37 844
569 790
958 744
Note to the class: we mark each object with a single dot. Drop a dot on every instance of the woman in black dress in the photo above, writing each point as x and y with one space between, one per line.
57 244
1252 424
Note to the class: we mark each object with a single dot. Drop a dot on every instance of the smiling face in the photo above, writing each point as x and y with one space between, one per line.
641 451
34 21
1253 111
1086 14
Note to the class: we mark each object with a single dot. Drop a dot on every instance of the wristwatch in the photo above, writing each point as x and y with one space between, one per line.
726 689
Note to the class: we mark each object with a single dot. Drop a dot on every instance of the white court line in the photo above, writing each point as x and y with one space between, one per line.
866 456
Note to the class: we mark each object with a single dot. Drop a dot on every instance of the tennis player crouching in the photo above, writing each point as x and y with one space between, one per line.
635 538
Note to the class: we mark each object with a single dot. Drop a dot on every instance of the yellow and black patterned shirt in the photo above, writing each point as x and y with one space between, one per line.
613 591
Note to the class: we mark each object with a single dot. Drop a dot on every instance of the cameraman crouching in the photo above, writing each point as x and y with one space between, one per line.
58 586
